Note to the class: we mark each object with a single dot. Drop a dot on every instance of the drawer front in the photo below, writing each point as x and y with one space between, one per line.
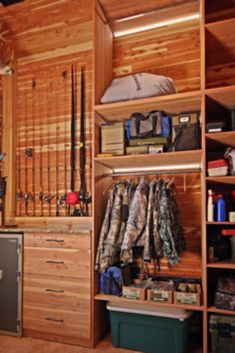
52 292
57 322
58 240
73 263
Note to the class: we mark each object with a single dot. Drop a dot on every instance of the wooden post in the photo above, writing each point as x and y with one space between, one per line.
8 145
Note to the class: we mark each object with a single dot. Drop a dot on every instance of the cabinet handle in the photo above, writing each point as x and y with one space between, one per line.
53 319
56 240
54 290
55 262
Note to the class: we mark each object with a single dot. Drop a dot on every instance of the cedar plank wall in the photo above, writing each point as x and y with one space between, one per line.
44 105
173 52
43 122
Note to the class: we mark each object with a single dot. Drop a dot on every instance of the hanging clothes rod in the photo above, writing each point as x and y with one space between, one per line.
167 170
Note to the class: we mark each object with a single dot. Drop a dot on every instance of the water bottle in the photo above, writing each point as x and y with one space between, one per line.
220 209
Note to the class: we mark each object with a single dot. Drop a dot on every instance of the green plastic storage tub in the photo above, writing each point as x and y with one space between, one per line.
148 328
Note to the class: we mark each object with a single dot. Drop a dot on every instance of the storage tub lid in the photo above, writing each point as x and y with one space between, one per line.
151 310
217 163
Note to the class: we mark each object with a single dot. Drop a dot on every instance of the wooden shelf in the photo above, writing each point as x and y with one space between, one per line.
221 223
230 180
115 298
213 309
228 264
226 138
222 95
220 23
156 161
172 104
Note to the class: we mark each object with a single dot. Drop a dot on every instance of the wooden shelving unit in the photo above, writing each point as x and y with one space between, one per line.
226 138
230 265
230 180
213 94
213 309
104 297
168 161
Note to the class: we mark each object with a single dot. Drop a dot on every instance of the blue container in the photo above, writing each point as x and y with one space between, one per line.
220 209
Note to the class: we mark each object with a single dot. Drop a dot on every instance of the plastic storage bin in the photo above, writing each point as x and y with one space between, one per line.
148 328
222 330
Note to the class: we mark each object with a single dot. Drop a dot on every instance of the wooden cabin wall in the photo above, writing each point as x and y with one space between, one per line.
172 51
1 112
43 137
44 125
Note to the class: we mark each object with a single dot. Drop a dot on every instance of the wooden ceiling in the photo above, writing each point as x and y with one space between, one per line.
36 26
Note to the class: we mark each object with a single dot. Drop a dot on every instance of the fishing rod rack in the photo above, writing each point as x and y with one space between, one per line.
43 143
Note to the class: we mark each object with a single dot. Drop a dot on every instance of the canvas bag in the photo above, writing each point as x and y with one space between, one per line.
185 132
151 124
111 281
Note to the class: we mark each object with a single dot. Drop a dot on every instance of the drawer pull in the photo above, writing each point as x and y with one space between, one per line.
53 319
56 240
55 262
54 290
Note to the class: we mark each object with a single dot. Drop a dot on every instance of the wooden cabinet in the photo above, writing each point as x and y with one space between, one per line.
57 285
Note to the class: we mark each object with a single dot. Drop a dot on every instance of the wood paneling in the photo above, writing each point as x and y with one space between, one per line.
44 127
64 23
173 52
102 54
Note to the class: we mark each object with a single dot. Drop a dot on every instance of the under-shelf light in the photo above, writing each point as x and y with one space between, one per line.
162 169
156 25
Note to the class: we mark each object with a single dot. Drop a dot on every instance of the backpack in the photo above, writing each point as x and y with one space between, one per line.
111 281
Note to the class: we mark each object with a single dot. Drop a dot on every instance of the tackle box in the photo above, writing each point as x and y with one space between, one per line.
149 328
222 331
217 167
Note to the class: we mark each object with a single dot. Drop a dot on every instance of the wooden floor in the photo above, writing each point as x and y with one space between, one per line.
30 345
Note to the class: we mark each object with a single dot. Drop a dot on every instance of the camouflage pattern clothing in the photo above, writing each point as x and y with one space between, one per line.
135 229
143 215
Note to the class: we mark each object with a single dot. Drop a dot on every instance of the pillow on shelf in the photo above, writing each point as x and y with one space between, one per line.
137 86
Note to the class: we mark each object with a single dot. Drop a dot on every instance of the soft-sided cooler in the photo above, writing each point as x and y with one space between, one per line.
148 328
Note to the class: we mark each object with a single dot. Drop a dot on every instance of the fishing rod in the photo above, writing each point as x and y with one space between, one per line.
40 193
26 193
64 195
57 197
83 196
33 145
72 196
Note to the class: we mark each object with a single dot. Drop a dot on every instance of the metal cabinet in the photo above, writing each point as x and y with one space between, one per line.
11 283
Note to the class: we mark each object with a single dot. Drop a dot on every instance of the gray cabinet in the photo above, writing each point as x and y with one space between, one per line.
11 283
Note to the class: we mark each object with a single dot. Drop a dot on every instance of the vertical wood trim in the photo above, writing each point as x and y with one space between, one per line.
203 189
8 144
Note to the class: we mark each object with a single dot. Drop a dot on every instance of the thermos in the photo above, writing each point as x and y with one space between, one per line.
220 209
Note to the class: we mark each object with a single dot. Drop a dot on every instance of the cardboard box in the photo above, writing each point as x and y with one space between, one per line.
113 138
136 291
188 298
157 295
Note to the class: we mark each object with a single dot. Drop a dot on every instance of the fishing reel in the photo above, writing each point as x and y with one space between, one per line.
27 197
19 196
48 198
84 197
3 185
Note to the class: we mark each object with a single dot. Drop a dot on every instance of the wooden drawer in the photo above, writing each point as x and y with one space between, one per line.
58 240
54 292
73 263
58 325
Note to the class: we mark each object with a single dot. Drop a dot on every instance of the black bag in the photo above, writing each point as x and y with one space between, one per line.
186 132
